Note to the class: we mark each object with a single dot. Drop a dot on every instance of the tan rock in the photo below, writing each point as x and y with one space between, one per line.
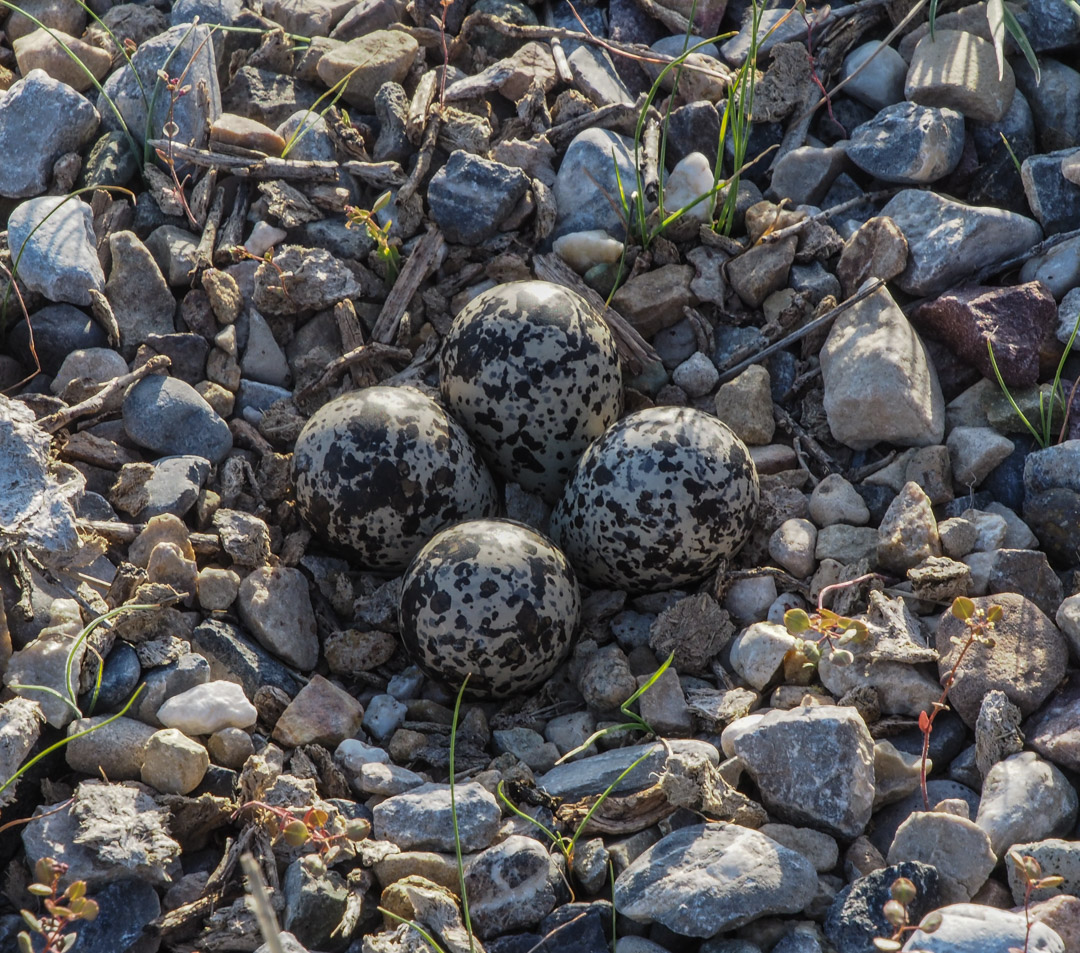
655 300
908 531
321 713
384 56
959 70
160 529
745 405
233 130
757 273
45 51
877 249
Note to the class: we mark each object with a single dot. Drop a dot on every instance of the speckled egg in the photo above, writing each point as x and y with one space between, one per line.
658 501
493 599
534 376
379 470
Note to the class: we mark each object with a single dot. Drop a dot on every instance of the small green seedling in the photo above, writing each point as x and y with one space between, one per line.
902 894
62 910
385 247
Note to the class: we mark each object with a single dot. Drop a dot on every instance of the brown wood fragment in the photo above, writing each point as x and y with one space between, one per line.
97 451
421 263
267 167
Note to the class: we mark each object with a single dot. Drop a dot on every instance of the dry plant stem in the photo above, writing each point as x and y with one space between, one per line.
422 262
363 355
96 404
264 167
827 463
115 533
732 372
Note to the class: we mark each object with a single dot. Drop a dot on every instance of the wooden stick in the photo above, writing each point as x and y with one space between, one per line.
422 262
96 404
364 354
205 544
633 348
267 167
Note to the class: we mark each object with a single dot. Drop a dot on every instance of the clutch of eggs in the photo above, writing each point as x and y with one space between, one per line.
380 470
491 599
532 373
657 502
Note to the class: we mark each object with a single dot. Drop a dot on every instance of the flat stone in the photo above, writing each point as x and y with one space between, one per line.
470 197
421 819
701 880
831 786
321 713
233 130
42 50
880 82
975 928
208 708
314 279
949 241
137 291
268 97
956 846
384 56
880 384
654 299
763 269
275 605
959 70
1026 662
174 487
974 452
169 417
54 240
237 659
805 175
909 144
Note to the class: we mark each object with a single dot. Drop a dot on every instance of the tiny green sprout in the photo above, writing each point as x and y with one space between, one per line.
61 910
903 891
295 833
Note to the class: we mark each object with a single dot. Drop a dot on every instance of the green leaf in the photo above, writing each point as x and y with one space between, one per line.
995 17
1018 34
295 833
31 921
796 621
903 890
841 657
931 922
993 614
963 608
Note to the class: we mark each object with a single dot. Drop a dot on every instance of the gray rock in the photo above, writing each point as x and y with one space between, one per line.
175 485
275 605
976 928
587 171
174 763
385 779
469 197
169 417
701 880
856 916
314 279
889 818
510 886
53 240
238 659
182 49
1056 857
20 726
59 330
830 786
1049 25
1025 798
880 82
909 144
174 250
959 70
880 383
263 360
1054 200
948 241
595 75
315 902
125 910
165 681
267 97
577 779
957 847
1054 101
383 716
136 289
1052 468
421 819
117 748
41 119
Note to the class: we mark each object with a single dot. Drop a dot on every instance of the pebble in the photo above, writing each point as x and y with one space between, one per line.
470 197
321 713
383 56
383 716
230 747
701 880
173 763
876 249
908 144
117 748
880 384
97 364
421 819
974 452
1053 197
1053 100
824 735
385 779
275 605
510 886
949 241
835 500
880 82
119 678
691 178
1025 798
960 70
176 676
974 928
956 846
908 532
584 250
217 588
745 405
748 600
208 708
697 375
804 175
169 417
846 544
45 50
758 653
126 907
54 238
263 360
581 203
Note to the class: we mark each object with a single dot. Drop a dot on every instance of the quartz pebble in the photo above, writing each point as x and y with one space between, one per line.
207 708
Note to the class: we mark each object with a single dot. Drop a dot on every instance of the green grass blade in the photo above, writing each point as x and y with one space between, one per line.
428 938
84 634
1018 34
303 128
646 686
603 797
551 835
1009 397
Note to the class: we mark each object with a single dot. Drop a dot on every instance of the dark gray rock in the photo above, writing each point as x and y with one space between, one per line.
258 397
138 294
694 127
856 916
392 111
237 658
1049 25
947 739
469 196
171 418
175 485
1028 571
699 881
1054 200
110 162
187 352
125 909
269 98
315 901
59 329
334 237
510 11
52 239
119 678
909 144
1053 516
41 119
1017 125
1054 101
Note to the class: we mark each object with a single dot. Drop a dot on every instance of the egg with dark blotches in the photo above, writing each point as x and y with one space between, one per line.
491 599
532 373
657 502
379 470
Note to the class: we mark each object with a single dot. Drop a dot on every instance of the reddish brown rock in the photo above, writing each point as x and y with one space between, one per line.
1015 320
1027 660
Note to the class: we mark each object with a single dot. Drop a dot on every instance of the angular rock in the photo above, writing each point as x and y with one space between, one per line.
53 237
877 249
470 197
857 916
957 847
44 50
909 144
880 82
314 279
949 241
1026 662
275 605
586 172
830 786
908 532
384 56
880 384
654 300
1053 197
701 880
136 289
320 714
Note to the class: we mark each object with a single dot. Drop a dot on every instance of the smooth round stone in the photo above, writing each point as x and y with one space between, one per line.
880 82
169 417
119 678
98 364
59 329
173 763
